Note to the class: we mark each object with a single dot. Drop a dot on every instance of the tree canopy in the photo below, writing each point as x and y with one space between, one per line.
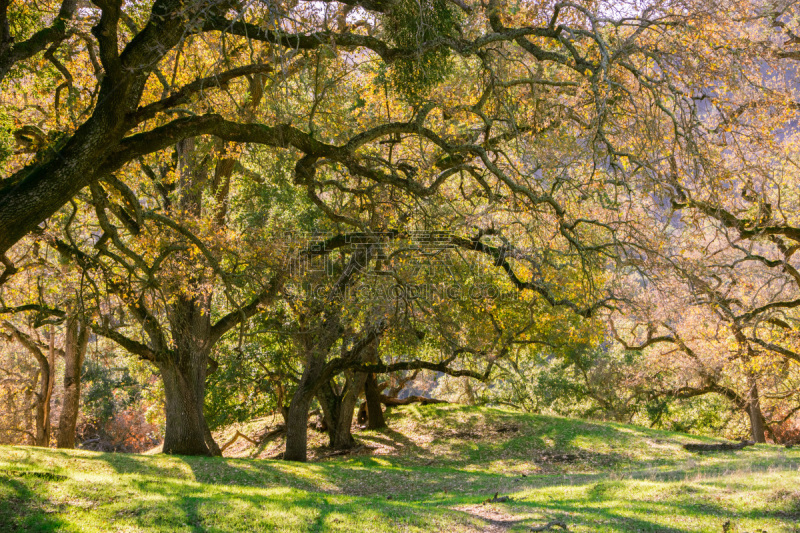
194 168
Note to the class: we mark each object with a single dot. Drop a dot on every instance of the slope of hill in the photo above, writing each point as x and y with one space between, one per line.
431 471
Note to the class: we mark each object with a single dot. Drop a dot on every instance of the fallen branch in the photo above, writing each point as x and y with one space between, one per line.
236 437
550 525
723 447
386 400
346 451
497 499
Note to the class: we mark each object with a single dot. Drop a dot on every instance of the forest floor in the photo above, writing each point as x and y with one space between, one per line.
432 471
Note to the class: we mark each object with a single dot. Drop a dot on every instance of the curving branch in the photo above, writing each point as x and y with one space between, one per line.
133 346
185 93
237 316
12 52
417 364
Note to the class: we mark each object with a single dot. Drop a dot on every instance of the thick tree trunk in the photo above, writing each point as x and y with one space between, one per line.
342 437
315 345
372 393
757 425
184 375
340 408
297 424
297 416
77 338
186 428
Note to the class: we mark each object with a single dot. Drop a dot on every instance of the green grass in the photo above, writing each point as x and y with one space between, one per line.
429 472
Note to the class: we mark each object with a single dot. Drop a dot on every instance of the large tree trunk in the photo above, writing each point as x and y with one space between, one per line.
372 393
339 409
77 338
757 426
186 429
342 436
297 417
184 375
185 371
297 424
316 345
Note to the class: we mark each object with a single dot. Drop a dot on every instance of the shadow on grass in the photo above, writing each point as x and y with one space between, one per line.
584 514
21 509
199 494
391 476
396 440
145 465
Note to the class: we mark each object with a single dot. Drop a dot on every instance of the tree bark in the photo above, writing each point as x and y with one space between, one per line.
339 410
47 370
184 375
297 417
185 369
186 429
77 337
297 424
372 393
342 438
753 408
315 345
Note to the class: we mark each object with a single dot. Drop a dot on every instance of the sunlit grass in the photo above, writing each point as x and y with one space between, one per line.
429 472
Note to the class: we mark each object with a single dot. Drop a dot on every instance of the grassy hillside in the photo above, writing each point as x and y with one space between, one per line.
429 472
